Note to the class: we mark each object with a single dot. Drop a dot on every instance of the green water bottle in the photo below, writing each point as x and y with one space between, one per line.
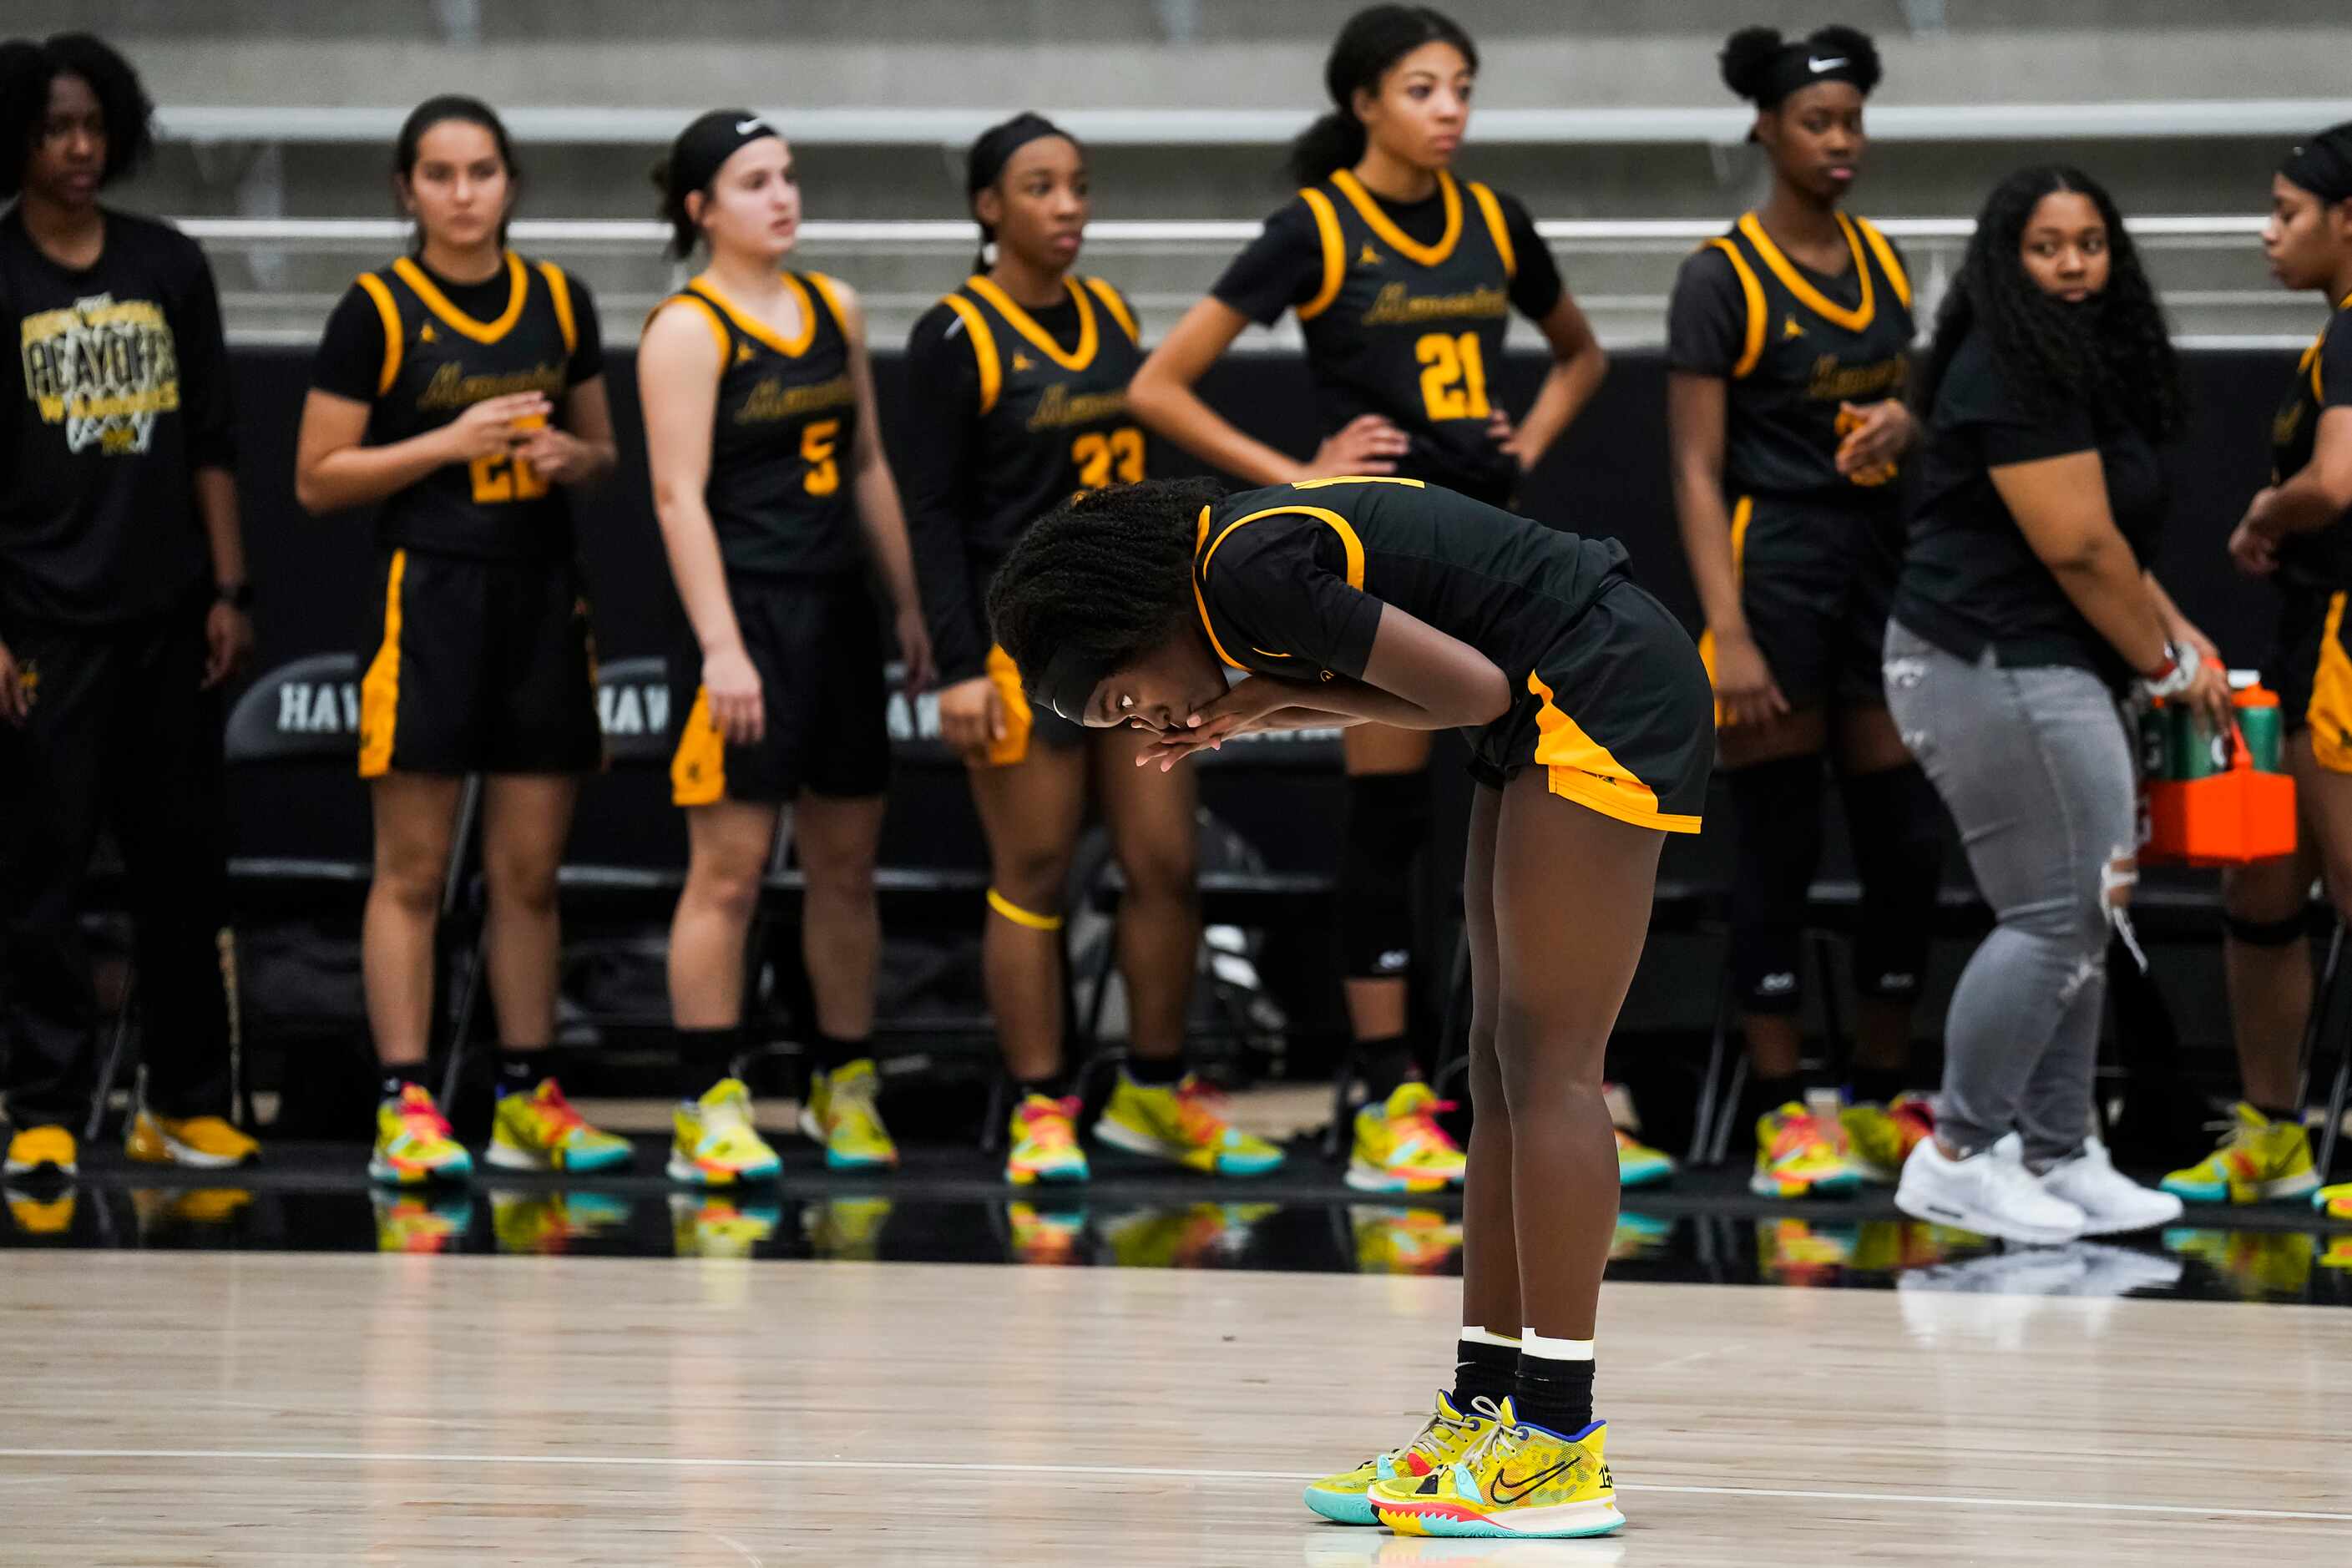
2194 750
2153 741
2260 723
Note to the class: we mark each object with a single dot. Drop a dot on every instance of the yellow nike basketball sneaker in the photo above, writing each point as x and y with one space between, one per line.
841 1114
1638 1165
1044 1142
2335 1202
1181 1124
198 1143
1520 1481
540 1132
1399 1147
1445 1437
713 1143
1795 1160
2257 1159
414 1145
1879 1138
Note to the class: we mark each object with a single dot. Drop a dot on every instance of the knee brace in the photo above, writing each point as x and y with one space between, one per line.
1776 808
1896 824
1387 825
2267 933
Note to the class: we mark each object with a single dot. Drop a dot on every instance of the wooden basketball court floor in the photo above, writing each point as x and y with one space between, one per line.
184 1408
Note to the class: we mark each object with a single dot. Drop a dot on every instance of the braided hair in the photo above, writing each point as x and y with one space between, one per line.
1107 575
2111 354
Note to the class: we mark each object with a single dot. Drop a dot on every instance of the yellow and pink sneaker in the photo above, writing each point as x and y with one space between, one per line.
1400 1148
1794 1159
413 1142
1044 1142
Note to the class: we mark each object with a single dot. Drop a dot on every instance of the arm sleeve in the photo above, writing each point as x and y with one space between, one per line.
2336 364
202 351
1535 287
1706 318
588 339
2008 428
1283 267
351 352
1278 584
935 484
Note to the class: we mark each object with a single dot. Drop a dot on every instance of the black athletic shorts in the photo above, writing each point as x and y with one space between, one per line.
484 666
1815 580
2310 668
817 645
1620 712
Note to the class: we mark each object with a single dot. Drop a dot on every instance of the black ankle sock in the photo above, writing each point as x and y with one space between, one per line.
1159 1072
2292 1117
704 1057
1055 1085
1384 1064
831 1053
520 1072
1484 1371
1764 1094
396 1079
1875 1086
1555 1394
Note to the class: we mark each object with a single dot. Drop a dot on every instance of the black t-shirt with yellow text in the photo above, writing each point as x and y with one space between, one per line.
118 374
2322 379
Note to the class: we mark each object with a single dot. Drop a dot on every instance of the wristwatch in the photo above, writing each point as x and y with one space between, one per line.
236 596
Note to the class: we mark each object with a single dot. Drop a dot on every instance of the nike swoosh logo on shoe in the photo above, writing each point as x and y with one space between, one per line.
1506 1491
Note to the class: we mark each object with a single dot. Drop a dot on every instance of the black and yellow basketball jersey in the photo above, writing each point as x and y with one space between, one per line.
1805 355
779 492
1052 419
437 363
2322 379
1289 580
1412 332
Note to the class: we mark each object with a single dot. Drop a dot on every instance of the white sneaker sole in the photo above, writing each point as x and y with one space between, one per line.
1374 1179
1966 1217
2106 1224
46 1167
1134 1142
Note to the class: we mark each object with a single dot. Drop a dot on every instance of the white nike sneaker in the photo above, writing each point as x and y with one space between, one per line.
1989 1193
2111 1201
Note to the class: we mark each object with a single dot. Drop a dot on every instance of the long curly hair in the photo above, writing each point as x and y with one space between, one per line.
1106 575
2112 354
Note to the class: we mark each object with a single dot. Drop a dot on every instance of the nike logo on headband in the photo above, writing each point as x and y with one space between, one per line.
745 127
1811 64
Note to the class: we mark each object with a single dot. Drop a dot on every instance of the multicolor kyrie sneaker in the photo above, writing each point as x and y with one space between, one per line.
1399 1147
540 1132
1638 1165
2257 1158
712 1141
840 1113
1181 1124
412 1143
2335 1202
198 1143
1794 1160
1520 1480
1445 1437
1044 1142
1879 1138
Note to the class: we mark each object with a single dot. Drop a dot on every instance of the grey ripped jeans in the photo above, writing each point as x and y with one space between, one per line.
2036 769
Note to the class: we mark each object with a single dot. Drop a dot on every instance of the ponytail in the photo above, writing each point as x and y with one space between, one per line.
1371 41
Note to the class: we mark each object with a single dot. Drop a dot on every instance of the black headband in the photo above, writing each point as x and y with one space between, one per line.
999 143
2322 165
1803 64
703 148
1069 682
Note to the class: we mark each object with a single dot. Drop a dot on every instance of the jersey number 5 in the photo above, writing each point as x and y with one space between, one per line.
818 439
1453 376
502 477
1102 457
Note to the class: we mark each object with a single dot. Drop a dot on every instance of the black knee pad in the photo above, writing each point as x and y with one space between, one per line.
2295 928
1776 808
1387 825
1896 824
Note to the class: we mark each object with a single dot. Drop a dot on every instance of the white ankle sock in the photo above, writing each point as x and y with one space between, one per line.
1481 1337
1535 1344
